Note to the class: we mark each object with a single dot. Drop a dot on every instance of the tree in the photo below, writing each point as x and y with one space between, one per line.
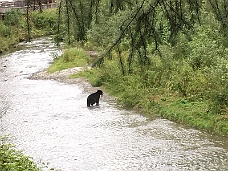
28 37
157 22
78 17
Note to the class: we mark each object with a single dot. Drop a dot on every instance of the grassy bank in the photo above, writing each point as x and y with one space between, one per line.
156 102
195 114
135 91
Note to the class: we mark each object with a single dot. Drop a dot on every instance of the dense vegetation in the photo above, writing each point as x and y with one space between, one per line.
13 29
14 160
164 58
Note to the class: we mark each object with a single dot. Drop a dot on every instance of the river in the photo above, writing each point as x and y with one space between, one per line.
50 122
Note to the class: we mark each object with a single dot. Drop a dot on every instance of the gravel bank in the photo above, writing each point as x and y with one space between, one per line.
61 76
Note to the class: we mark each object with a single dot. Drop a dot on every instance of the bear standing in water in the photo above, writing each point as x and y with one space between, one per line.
94 98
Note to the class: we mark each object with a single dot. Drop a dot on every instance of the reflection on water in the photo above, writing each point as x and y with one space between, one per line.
50 122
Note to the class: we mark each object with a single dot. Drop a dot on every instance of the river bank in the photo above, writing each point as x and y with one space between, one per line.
132 92
61 76
171 108
48 119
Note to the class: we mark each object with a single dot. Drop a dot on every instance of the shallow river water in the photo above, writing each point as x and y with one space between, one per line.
49 121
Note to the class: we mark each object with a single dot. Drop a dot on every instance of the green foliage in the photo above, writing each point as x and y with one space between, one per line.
11 159
72 57
4 30
195 114
13 27
129 90
205 48
13 18
181 80
45 20
158 52
74 19
8 37
219 100
93 75
104 33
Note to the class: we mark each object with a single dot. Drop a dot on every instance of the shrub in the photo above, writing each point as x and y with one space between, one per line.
45 20
4 30
11 159
219 100
12 18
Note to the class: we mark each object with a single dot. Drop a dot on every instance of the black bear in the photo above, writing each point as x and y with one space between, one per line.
94 98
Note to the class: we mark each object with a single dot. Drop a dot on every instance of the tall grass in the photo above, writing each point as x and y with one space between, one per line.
73 57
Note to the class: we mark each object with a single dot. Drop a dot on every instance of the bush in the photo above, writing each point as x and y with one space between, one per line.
5 31
104 33
12 18
45 20
11 159
219 100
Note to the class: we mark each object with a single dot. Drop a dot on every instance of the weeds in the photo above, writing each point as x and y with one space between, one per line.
73 57
11 159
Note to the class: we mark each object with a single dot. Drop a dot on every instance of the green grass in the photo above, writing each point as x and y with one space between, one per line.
91 75
195 114
73 57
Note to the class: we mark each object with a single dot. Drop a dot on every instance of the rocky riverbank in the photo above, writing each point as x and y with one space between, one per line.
61 76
